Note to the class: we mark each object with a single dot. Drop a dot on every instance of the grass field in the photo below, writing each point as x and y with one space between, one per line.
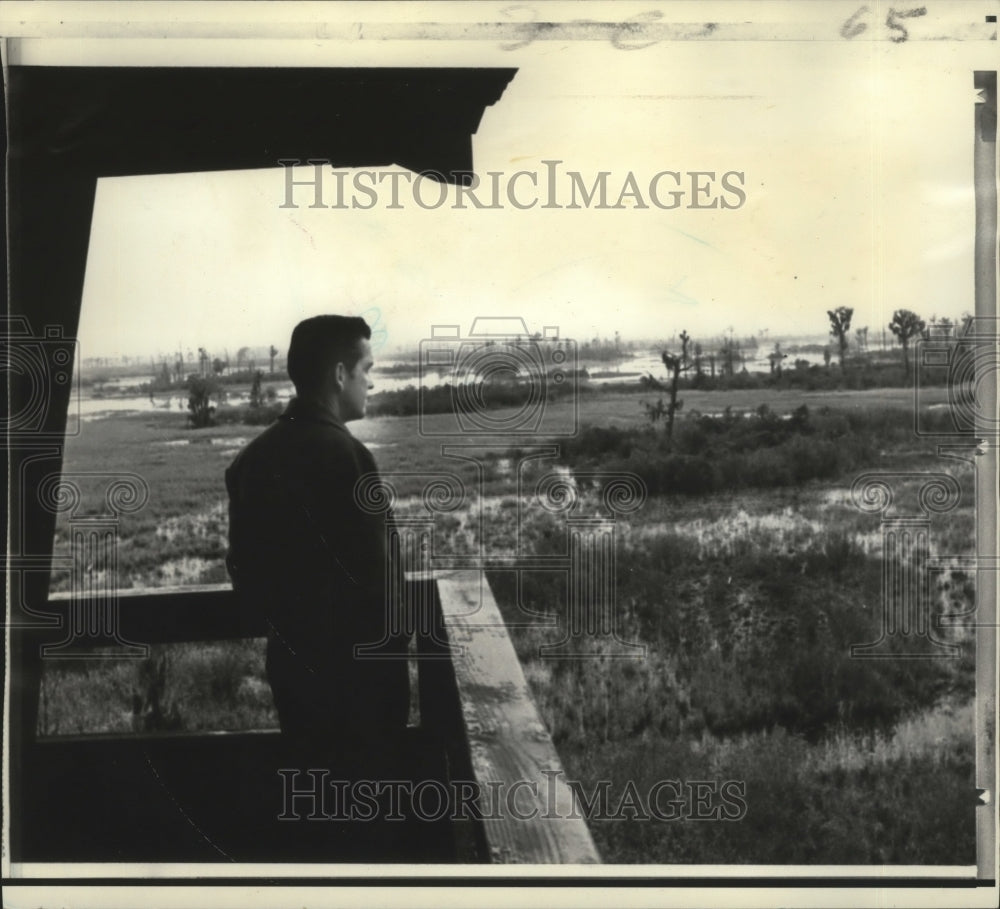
747 599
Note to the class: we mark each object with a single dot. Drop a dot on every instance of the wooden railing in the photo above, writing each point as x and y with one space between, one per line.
533 817
190 797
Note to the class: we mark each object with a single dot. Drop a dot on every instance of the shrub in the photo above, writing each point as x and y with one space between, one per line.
452 399
668 473
731 451
812 459
248 415
201 390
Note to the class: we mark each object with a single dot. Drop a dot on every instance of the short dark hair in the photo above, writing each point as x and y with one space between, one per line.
321 341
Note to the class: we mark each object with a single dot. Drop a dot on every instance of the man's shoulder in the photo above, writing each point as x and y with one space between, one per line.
310 444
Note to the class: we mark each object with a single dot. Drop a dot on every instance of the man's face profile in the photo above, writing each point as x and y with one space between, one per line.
356 383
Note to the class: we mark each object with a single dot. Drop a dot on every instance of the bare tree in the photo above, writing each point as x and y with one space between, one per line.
273 353
775 357
840 325
906 324
729 355
676 364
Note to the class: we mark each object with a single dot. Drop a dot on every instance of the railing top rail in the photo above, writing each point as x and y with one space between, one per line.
136 593
537 819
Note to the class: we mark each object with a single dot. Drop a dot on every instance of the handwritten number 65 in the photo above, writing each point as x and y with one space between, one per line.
854 26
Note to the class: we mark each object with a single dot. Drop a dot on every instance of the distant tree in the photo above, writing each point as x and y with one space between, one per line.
676 364
729 355
905 325
654 412
273 353
861 337
775 357
218 366
963 335
203 359
840 325
256 395
200 392
242 357
827 356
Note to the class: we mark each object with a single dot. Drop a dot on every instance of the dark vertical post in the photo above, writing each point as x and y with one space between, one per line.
986 259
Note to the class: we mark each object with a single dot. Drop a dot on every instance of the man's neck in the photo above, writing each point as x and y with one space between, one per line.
330 405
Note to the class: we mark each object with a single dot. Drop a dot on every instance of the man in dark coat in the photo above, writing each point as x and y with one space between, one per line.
310 561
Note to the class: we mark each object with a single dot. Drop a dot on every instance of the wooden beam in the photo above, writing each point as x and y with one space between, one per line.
168 615
530 814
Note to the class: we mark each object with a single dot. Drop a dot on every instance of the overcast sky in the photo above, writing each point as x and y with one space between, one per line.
858 181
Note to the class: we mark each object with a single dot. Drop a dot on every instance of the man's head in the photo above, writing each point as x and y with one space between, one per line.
329 359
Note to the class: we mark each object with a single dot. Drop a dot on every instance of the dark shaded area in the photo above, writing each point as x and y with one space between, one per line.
67 128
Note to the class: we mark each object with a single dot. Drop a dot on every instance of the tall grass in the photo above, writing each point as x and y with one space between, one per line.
843 801
218 685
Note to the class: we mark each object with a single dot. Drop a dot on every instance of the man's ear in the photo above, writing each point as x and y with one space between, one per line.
339 375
